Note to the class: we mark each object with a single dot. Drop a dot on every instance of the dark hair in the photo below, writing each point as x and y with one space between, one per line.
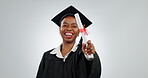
66 15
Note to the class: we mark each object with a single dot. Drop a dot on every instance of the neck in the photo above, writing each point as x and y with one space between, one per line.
66 47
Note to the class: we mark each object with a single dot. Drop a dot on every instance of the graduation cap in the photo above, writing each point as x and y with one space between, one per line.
70 11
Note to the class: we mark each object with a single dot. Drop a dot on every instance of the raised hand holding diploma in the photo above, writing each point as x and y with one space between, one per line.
87 46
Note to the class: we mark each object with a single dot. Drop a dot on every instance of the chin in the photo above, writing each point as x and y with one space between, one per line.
69 41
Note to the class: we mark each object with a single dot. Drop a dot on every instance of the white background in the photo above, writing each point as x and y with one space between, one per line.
119 33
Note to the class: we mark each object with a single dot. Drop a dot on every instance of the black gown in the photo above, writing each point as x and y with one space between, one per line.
75 66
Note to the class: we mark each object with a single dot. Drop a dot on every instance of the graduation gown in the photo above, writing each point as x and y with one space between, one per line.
75 66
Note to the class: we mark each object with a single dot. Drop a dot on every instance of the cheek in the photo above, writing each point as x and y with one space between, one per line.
77 31
62 30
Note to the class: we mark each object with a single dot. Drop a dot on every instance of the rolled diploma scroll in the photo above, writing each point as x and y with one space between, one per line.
80 26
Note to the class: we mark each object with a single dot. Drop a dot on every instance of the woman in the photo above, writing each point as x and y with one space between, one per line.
69 59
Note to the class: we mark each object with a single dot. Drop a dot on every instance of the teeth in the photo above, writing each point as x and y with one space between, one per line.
68 33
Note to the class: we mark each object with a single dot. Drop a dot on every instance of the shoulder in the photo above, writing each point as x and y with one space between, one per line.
48 52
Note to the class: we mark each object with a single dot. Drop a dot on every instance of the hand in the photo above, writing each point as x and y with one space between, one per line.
88 48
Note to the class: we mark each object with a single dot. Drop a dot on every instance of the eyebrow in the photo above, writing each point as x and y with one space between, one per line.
74 23
71 24
65 23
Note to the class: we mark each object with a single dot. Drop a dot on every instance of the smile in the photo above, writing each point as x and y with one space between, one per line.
68 35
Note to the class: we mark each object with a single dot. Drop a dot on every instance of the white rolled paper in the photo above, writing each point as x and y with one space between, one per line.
84 37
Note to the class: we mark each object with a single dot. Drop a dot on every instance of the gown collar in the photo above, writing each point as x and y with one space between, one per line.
59 54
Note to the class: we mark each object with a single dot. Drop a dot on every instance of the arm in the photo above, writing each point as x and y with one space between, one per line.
41 68
88 69
93 65
95 71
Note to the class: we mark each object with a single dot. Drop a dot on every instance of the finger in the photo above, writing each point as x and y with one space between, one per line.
88 46
91 50
88 42
93 47
83 47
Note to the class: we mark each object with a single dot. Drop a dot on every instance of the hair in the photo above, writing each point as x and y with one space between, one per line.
66 15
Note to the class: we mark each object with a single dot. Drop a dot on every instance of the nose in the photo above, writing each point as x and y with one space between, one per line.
69 29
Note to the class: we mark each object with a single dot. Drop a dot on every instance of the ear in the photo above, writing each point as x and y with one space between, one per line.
59 30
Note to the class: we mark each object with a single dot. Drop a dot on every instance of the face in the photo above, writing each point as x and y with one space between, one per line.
69 29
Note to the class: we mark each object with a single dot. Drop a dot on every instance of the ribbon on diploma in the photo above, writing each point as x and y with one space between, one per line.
83 30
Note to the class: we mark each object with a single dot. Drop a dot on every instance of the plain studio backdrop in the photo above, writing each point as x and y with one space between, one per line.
119 33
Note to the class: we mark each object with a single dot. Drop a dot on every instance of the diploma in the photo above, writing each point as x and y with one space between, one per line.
83 32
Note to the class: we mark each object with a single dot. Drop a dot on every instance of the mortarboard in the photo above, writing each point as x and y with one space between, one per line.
70 11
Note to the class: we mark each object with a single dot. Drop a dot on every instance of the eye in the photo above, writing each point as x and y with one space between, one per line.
64 25
74 26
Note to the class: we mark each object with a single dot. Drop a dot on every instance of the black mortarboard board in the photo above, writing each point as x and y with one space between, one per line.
68 12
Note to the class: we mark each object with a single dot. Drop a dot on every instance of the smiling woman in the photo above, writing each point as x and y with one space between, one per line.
69 59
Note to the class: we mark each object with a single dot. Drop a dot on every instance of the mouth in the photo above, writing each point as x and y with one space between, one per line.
68 35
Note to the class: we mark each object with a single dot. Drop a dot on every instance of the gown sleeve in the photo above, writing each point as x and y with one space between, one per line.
86 68
95 68
41 67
